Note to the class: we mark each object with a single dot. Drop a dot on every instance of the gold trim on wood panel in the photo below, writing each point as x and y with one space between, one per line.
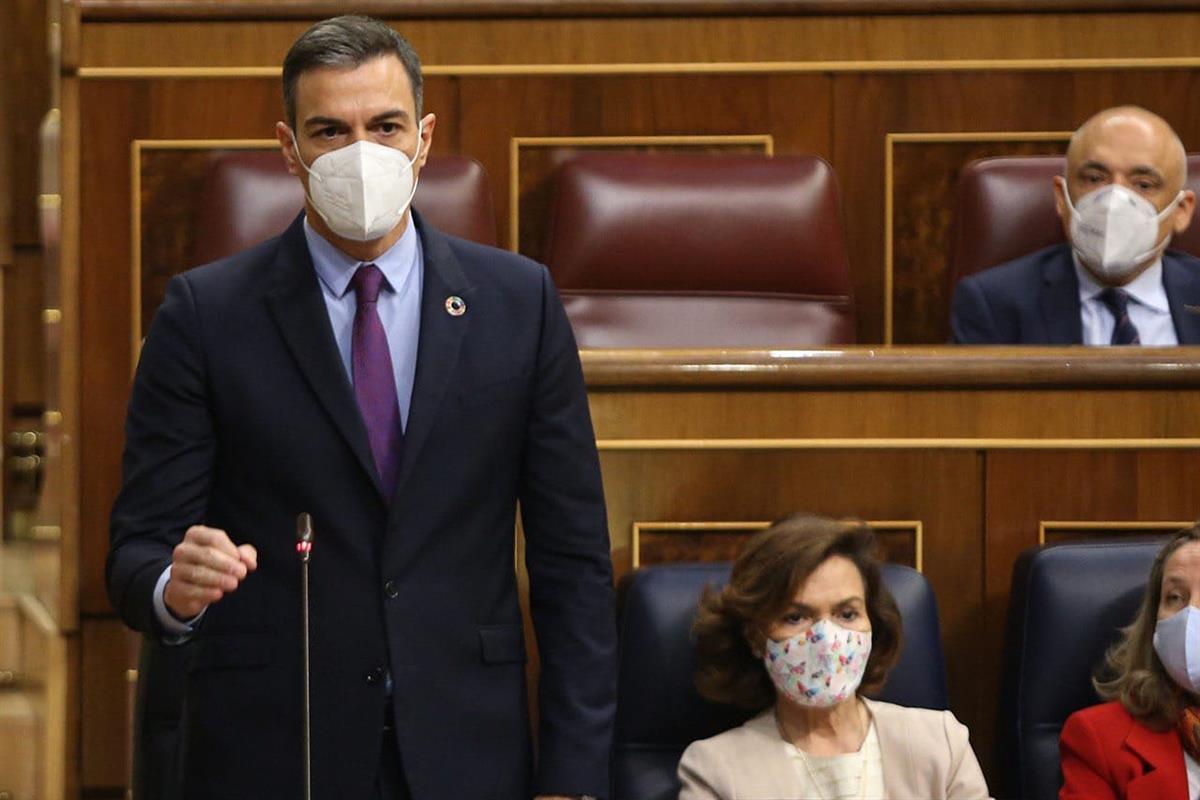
135 221
635 538
927 443
933 137
766 140
1049 526
915 525
51 316
687 68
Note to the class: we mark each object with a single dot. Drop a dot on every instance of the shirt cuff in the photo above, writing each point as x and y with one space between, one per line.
176 630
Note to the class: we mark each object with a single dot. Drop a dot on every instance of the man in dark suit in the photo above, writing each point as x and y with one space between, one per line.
407 389
1120 201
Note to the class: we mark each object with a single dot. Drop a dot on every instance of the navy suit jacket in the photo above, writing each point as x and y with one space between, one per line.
242 416
1035 300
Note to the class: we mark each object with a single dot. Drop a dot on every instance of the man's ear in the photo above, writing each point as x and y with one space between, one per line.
1060 204
288 147
1060 200
428 123
1184 212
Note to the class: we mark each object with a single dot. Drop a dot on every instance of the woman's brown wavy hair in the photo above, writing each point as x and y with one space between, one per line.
731 626
1132 673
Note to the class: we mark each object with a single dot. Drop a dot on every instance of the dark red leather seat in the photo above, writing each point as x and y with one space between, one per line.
249 196
656 250
1006 210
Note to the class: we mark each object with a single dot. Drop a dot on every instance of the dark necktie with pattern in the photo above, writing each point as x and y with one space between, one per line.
374 382
1117 302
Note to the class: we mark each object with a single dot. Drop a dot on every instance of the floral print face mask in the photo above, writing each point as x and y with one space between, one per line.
821 667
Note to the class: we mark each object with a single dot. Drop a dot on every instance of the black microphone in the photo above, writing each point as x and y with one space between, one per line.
304 545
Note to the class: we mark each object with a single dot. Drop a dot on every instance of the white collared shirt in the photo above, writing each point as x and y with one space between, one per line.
1149 310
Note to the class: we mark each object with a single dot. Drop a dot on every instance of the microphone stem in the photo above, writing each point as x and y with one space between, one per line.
307 717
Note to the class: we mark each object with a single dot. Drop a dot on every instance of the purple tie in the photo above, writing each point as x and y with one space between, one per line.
374 383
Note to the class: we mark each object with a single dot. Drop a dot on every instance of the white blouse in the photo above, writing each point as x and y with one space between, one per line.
848 776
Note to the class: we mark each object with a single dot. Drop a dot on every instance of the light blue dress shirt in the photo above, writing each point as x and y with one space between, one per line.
1149 310
399 302
399 308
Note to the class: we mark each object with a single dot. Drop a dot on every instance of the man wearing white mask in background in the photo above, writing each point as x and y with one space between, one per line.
407 389
1114 283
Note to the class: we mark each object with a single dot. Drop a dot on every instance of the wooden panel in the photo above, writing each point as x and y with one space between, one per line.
666 542
1029 368
49 683
800 418
1025 489
925 176
27 86
1060 531
24 371
20 733
674 39
271 9
6 151
109 652
10 637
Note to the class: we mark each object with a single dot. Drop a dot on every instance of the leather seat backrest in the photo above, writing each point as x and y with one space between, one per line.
1066 607
666 250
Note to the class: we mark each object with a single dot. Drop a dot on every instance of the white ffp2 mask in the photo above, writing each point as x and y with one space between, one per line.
361 190
1113 229
1177 642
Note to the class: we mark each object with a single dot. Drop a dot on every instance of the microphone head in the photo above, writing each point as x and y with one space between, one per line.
304 528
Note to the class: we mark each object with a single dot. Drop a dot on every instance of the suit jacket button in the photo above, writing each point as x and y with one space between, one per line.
391 589
375 676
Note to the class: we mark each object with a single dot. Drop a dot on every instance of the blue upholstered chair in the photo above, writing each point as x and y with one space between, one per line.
1067 605
659 711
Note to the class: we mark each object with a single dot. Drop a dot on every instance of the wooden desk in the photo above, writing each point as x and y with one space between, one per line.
961 457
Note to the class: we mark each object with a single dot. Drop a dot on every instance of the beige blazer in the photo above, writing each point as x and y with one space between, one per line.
926 756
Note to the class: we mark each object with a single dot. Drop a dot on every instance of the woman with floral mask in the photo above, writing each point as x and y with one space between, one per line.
1145 742
802 630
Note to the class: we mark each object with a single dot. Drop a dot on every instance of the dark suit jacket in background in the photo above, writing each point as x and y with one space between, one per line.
1035 300
242 416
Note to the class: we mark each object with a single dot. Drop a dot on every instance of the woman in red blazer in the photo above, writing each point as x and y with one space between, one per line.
1144 744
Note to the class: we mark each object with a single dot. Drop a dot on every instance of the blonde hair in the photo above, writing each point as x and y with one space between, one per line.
1132 673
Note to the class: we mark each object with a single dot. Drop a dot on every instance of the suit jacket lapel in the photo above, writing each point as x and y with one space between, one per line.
1166 775
1060 299
299 311
441 337
899 766
1183 295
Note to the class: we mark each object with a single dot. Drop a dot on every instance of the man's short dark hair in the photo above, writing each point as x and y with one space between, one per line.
346 42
